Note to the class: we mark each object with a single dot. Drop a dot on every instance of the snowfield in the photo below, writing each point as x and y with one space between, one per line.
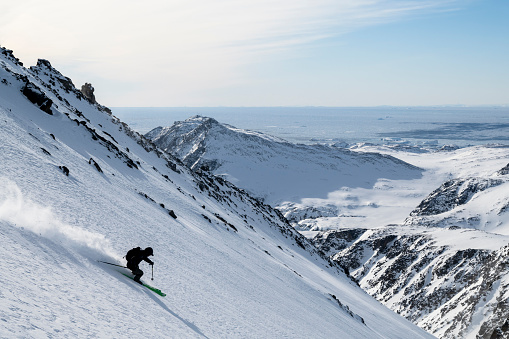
78 186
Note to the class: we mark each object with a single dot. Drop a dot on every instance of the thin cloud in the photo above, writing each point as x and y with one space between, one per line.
192 43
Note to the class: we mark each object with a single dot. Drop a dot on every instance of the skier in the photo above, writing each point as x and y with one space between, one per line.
134 257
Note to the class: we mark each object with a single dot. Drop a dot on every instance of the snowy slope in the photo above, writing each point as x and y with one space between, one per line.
272 168
77 186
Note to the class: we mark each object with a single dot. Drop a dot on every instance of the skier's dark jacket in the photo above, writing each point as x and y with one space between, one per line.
137 256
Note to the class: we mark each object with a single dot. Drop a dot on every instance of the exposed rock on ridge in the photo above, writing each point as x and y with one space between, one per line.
88 91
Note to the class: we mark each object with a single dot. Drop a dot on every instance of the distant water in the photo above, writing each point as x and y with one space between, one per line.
414 125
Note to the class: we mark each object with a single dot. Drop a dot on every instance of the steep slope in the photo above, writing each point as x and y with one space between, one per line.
272 168
77 186
451 282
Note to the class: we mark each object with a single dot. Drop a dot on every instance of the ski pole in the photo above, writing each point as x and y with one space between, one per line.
152 272
104 262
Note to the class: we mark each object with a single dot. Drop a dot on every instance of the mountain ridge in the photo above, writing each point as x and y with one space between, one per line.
284 171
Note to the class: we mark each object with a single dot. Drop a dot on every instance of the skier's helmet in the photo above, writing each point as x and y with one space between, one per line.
149 251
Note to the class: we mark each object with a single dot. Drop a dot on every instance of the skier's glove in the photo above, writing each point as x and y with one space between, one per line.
151 264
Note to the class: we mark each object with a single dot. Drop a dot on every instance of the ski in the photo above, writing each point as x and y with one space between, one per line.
104 262
153 289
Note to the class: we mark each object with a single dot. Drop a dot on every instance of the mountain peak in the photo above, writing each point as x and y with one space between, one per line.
201 118
44 63
272 168
8 54
44 67
201 122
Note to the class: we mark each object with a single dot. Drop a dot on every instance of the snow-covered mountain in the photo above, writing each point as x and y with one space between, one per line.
272 168
451 282
432 246
77 185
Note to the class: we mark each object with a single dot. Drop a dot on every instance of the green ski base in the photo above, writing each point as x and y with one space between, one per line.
153 289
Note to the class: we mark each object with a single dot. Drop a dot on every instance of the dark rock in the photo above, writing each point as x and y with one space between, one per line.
64 169
37 97
88 91
347 309
43 63
97 167
8 53
45 151
504 171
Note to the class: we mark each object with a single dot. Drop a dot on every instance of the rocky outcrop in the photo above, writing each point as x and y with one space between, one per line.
504 170
60 85
10 56
37 97
88 91
55 79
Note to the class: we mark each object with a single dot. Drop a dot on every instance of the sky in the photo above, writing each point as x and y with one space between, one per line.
175 53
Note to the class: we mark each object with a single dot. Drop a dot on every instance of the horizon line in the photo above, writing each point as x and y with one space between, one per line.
325 106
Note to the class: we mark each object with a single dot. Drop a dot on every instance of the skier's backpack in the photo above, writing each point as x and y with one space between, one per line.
132 253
